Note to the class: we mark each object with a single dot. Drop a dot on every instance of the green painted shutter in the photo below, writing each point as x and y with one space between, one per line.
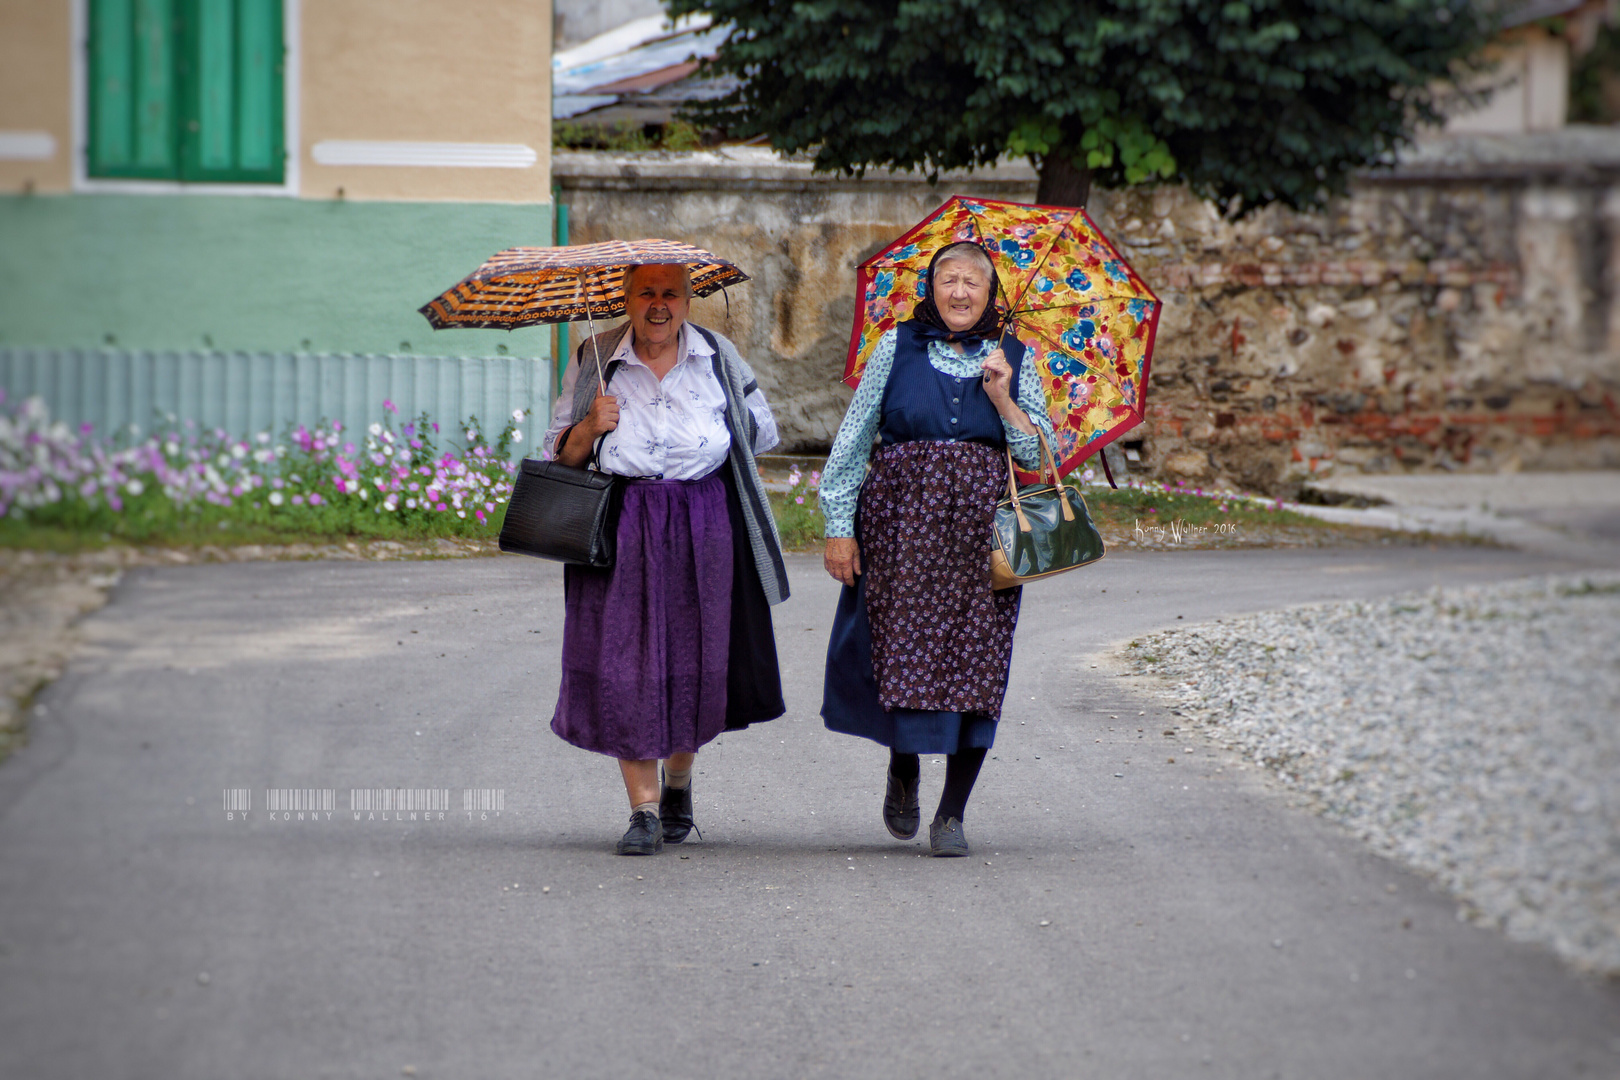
232 77
132 90
259 53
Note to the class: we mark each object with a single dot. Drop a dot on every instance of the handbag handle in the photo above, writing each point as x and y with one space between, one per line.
1051 471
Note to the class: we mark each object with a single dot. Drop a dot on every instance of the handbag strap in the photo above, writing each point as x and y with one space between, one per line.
1050 464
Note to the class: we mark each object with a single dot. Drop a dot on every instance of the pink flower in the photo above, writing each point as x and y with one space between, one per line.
298 500
441 506
389 407
479 514
314 498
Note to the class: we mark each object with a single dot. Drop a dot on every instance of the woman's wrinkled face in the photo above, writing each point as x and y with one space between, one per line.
656 303
961 290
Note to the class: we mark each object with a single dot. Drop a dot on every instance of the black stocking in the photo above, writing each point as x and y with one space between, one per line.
961 770
904 766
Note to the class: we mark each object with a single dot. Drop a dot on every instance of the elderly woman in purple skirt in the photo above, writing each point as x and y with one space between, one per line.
673 644
921 644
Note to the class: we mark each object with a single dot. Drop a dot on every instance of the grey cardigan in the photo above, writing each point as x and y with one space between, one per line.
737 380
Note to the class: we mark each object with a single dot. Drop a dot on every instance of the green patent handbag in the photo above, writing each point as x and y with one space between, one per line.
1040 529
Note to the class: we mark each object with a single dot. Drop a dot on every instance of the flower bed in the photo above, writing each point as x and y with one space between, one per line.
180 480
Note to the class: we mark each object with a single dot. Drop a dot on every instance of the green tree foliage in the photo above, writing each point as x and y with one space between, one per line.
1268 100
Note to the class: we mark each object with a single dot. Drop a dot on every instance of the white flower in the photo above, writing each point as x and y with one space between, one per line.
471 435
275 498
390 505
517 436
461 513
517 414
375 429
239 451
134 487
364 494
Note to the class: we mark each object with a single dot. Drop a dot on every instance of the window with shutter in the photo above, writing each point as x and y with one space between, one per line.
186 90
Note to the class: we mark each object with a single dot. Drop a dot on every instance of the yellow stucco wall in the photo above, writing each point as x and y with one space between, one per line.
426 71
36 89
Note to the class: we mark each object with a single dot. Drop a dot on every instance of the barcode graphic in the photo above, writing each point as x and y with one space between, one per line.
483 799
238 798
406 799
279 799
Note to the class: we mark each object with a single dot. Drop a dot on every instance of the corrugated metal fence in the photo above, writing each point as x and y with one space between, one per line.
245 393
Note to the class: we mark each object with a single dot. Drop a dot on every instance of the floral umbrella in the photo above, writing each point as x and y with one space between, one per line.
1086 316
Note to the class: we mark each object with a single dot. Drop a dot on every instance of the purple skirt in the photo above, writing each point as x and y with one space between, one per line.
645 643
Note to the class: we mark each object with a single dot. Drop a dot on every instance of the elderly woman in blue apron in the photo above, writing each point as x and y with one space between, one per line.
921 644
673 644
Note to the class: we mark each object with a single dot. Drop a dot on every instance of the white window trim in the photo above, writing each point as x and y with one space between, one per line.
79 46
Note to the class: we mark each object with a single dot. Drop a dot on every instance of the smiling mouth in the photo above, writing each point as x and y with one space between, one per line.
660 319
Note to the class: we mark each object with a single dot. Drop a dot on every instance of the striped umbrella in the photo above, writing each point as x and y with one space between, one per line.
528 286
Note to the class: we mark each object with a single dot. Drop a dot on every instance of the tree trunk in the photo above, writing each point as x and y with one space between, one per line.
1062 184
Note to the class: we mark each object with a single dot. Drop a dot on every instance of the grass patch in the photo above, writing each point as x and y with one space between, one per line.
800 525
1124 509
71 528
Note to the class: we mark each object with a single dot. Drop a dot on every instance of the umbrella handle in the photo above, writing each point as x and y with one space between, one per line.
596 346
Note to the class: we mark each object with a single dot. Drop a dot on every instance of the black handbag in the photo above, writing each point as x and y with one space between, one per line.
1040 529
564 512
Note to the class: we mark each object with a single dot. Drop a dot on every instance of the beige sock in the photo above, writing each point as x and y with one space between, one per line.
674 779
650 807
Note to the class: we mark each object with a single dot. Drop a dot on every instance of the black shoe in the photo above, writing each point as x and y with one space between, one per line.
900 812
947 839
644 837
675 812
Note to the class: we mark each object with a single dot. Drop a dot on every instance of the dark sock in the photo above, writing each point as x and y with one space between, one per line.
904 767
961 770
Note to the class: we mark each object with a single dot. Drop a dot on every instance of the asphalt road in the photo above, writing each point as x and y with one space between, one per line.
1122 916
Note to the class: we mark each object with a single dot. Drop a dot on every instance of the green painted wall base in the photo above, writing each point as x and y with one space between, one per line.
249 313
227 273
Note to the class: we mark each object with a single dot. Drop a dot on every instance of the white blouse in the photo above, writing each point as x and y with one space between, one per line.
674 428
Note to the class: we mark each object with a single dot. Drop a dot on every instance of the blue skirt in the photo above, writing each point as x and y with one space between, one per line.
849 702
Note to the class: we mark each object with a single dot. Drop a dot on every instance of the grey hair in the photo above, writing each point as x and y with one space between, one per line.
686 276
974 254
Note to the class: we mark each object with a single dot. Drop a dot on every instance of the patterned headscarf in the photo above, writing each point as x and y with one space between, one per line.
933 323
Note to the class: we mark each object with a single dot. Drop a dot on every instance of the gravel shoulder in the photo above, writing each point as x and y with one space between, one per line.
1471 733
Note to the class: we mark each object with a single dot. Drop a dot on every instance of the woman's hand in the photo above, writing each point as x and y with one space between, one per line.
603 418
842 559
997 377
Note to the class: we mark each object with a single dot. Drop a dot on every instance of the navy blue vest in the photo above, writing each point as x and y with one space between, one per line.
923 404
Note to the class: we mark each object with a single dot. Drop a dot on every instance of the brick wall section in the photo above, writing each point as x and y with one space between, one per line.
1438 322
1458 314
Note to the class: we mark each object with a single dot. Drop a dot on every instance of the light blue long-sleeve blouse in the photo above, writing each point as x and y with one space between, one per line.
852 448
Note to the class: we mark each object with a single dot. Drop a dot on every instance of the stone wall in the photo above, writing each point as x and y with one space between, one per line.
1455 313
